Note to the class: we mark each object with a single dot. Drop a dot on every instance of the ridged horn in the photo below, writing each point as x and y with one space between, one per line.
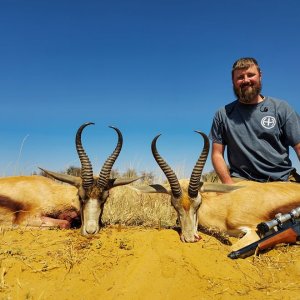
194 184
86 166
107 166
173 181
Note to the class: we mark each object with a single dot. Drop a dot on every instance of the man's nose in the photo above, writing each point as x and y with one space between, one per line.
246 79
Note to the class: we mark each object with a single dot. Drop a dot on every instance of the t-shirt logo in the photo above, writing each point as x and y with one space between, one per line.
268 122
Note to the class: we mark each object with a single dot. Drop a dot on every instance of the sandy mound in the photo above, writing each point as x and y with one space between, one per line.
139 263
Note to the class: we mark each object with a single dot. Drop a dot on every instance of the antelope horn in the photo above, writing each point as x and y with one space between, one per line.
86 166
173 181
195 183
107 166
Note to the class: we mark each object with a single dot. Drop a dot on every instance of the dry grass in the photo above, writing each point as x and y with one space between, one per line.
130 208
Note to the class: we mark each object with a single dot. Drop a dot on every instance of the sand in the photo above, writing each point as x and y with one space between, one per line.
139 263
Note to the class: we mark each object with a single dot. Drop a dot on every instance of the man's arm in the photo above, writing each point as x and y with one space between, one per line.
219 163
297 150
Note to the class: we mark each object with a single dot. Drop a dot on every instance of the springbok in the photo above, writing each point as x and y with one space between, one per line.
39 201
228 209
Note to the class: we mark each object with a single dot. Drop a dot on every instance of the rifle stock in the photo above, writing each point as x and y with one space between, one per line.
287 235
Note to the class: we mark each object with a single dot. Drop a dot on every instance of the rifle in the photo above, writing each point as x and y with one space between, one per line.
284 228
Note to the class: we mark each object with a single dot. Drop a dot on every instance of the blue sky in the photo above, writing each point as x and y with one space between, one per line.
146 67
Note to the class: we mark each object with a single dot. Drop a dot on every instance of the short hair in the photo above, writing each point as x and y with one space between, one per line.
244 63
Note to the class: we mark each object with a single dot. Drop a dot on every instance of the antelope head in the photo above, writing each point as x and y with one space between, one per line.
186 201
92 191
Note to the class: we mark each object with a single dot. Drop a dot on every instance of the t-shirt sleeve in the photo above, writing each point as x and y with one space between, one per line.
291 126
217 130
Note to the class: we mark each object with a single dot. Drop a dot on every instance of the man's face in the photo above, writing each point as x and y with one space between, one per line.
247 84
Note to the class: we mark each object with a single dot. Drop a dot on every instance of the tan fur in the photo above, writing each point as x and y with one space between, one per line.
241 210
186 202
25 199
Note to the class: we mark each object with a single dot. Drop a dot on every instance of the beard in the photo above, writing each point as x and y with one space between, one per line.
246 93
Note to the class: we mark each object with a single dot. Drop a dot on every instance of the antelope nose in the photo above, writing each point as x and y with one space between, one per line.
186 238
91 227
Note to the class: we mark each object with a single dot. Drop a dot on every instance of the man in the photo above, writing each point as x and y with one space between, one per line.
257 131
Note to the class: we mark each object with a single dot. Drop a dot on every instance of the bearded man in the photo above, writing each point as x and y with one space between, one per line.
257 131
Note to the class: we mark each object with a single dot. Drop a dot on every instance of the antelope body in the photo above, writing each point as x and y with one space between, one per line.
38 201
231 209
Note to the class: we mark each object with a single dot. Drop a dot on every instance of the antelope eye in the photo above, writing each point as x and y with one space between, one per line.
82 195
83 200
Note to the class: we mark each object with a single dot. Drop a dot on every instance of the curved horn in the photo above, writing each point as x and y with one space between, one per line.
194 184
86 167
107 166
173 181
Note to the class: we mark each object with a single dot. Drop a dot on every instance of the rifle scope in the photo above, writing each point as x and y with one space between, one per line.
279 219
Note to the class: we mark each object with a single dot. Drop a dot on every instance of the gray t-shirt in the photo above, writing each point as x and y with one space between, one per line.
257 137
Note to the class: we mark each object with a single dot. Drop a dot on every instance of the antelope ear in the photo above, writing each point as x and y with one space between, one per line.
152 188
73 180
121 181
219 187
